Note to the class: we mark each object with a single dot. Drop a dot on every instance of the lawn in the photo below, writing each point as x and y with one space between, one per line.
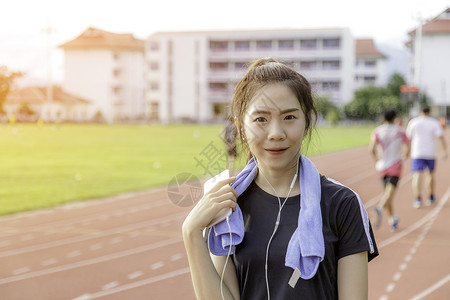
42 166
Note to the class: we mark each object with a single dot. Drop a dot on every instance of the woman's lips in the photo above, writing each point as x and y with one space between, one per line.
276 151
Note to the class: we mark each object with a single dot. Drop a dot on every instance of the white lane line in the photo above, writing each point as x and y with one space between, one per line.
390 287
83 297
360 177
110 285
27 237
133 234
419 223
135 275
157 265
86 220
21 270
92 260
375 199
48 262
421 236
432 288
95 247
5 243
115 240
73 254
91 236
139 283
176 257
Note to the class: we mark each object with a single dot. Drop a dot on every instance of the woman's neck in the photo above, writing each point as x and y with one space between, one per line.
280 180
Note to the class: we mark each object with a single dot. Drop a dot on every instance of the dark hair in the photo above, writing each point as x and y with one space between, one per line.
389 115
426 110
267 71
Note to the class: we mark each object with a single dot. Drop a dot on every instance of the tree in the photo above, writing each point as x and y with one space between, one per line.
6 81
395 81
370 102
323 105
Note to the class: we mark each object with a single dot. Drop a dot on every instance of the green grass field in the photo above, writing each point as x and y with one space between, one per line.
53 164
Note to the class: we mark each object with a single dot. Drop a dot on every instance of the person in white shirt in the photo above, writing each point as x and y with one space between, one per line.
388 146
423 131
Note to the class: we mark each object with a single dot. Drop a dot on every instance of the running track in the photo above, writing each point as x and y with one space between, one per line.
130 246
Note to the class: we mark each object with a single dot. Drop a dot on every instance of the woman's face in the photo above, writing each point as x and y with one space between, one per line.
274 126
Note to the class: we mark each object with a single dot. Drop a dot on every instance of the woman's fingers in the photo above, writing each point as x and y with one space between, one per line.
222 183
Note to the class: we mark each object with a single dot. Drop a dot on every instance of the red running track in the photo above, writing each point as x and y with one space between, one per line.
130 246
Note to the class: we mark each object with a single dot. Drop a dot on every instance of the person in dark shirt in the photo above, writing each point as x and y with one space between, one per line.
274 114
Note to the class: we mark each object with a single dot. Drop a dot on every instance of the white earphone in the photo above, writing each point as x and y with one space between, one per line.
277 222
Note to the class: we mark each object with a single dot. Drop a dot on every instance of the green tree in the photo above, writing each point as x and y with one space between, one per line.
395 81
6 80
370 102
25 109
323 105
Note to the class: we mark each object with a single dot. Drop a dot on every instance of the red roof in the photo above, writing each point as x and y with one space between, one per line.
366 47
96 38
440 24
38 95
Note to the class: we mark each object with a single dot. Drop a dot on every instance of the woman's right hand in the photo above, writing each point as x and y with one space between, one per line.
218 200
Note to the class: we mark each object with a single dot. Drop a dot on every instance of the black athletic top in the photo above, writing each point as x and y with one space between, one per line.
343 233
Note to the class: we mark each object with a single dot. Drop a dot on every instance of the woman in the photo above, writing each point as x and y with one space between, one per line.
294 233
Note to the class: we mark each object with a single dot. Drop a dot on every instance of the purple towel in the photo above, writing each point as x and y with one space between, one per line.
306 247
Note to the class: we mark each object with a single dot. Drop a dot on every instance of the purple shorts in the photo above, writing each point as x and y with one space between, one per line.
420 164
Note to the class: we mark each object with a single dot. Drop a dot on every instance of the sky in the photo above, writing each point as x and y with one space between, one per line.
24 44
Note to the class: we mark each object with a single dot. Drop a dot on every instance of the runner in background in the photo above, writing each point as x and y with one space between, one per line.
423 131
389 138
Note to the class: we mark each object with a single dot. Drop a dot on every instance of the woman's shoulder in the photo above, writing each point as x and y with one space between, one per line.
336 193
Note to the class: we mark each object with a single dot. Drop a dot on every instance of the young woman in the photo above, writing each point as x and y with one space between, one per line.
293 233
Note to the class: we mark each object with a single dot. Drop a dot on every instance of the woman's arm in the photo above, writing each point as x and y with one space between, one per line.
205 271
353 277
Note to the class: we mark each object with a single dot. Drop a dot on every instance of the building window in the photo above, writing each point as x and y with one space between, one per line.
307 65
154 66
308 44
218 86
116 90
218 66
242 45
154 46
240 66
286 44
369 79
154 86
330 86
263 45
220 109
218 45
154 110
331 43
370 63
331 65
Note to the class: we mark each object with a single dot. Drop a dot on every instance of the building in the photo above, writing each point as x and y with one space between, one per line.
430 61
191 75
60 107
108 70
369 64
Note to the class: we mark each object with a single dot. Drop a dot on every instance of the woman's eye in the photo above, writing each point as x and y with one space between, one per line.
290 117
260 119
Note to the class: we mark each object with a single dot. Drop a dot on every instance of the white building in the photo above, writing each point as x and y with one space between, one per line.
430 62
108 70
369 64
191 75
60 107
